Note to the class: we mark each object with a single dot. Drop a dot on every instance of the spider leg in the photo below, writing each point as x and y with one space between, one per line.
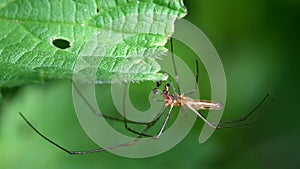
165 123
233 123
238 122
131 143
196 81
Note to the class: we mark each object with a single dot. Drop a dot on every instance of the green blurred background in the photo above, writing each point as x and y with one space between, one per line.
258 43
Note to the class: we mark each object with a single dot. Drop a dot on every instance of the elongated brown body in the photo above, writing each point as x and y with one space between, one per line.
201 104
181 100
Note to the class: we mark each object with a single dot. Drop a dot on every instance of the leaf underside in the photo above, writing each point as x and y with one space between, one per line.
105 40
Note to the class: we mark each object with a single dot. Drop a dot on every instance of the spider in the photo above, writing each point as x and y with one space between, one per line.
171 100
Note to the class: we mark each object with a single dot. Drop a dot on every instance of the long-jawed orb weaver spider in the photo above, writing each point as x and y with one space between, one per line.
170 100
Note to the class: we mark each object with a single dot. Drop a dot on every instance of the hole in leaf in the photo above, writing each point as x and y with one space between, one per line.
61 43
97 10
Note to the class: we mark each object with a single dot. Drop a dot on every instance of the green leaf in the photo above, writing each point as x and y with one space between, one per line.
102 40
